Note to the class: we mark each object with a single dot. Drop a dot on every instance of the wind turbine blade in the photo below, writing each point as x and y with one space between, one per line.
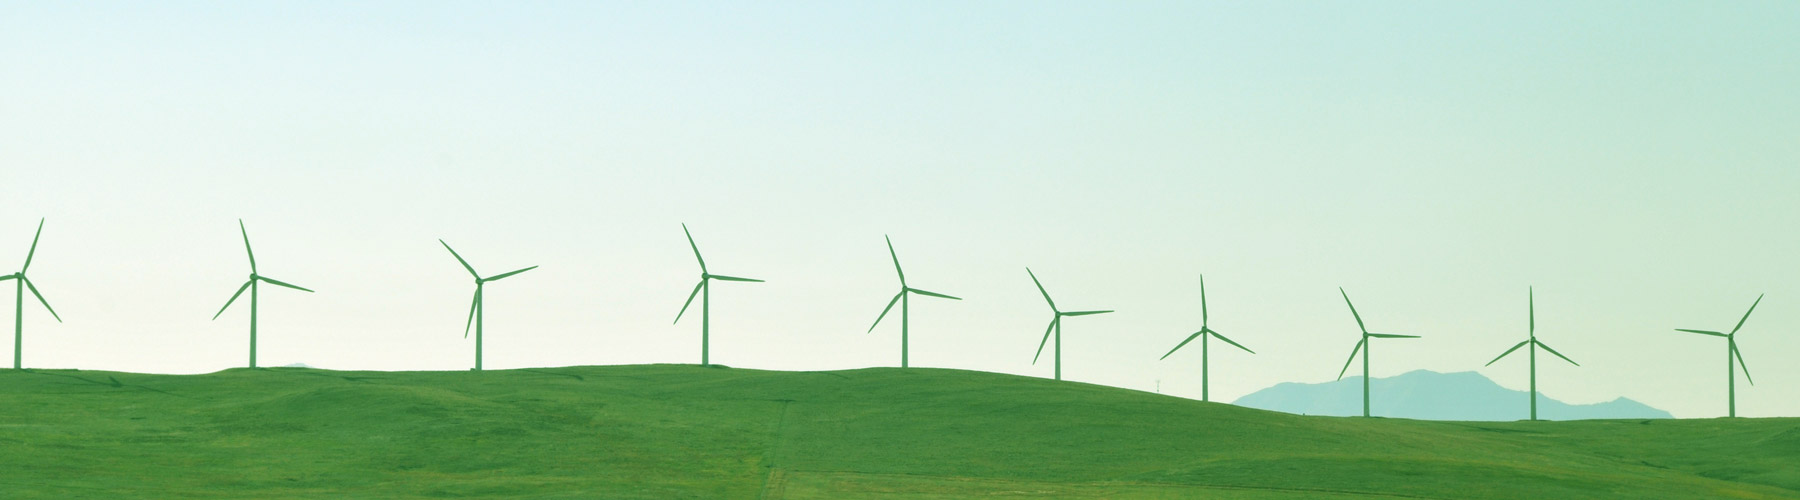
458 259
9 276
1359 346
1508 351
890 243
1740 359
1702 332
1215 333
1041 343
503 275
734 278
1558 354
40 298
696 247
1203 319
247 251
690 300
473 303
1531 305
1359 321
34 242
1085 313
933 294
273 281
233 298
1393 336
1041 290
1183 343
885 310
1734 329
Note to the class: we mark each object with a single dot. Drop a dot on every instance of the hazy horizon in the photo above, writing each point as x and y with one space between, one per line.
1635 163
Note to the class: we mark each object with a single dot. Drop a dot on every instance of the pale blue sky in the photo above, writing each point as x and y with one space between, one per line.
1636 162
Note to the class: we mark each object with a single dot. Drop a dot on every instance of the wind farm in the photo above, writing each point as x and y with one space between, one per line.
1638 161
661 430
866 432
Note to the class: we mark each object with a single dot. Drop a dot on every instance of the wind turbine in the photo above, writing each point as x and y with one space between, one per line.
1204 335
251 285
1055 325
1364 345
476 311
1731 351
1531 304
705 285
19 300
903 300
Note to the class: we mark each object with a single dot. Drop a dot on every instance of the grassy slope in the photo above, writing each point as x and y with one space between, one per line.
680 431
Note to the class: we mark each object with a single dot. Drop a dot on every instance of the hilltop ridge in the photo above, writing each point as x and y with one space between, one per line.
684 431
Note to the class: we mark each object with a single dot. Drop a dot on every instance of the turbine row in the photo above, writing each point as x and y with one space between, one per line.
1734 359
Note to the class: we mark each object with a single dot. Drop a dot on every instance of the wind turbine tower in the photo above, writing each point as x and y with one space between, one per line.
904 302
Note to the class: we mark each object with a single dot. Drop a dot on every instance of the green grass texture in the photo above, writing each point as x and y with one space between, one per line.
685 431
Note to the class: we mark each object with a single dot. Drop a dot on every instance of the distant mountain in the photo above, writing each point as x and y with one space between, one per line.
1429 395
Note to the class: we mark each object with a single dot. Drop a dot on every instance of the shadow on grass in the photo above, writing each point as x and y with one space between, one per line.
548 372
305 371
110 382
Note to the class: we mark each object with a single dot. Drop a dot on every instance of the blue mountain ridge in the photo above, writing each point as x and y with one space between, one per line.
1429 395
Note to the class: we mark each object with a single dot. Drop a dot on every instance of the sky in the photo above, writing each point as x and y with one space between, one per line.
1634 162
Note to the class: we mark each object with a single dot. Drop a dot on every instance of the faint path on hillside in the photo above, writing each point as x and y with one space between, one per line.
775 483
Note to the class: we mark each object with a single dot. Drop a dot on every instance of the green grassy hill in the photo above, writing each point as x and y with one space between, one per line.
682 431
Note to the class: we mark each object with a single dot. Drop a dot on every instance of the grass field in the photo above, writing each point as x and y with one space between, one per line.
683 431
